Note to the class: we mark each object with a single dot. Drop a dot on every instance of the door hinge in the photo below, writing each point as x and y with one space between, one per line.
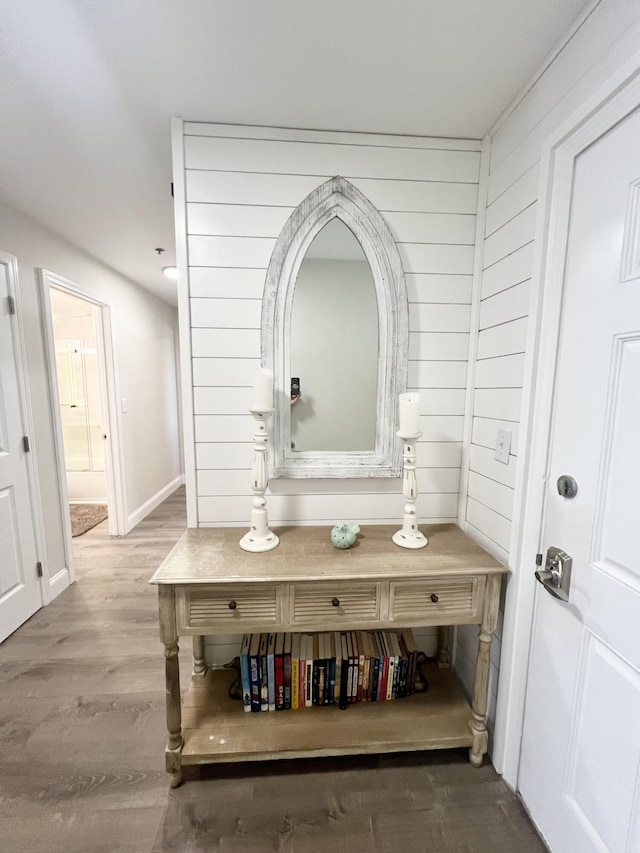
538 559
39 569
25 443
12 304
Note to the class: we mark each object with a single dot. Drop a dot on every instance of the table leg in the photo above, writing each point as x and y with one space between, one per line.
481 684
169 637
198 656
443 646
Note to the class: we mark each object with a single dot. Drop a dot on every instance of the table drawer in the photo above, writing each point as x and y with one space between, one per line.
335 603
436 601
228 607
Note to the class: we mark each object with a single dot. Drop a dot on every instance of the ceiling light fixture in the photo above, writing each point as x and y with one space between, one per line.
171 272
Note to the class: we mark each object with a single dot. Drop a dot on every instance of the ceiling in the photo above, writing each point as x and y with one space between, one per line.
88 88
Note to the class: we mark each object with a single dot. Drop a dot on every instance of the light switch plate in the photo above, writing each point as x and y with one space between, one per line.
124 405
503 446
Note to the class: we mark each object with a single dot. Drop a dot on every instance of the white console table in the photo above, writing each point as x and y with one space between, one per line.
208 586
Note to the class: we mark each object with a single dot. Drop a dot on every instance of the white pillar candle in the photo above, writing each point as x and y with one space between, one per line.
409 413
263 389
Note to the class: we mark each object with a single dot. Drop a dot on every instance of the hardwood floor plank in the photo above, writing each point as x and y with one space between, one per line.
82 735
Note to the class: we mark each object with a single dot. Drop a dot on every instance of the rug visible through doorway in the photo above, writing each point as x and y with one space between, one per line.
86 516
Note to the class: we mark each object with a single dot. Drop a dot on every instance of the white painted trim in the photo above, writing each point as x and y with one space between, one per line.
184 321
337 198
35 495
148 506
476 300
546 63
612 101
115 473
55 422
58 583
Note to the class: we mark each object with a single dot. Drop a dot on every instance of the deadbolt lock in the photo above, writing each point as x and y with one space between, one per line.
567 486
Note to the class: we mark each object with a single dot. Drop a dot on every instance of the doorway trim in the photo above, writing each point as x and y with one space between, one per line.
114 467
611 103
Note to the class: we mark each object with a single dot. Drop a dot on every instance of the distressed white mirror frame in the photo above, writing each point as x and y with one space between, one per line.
337 198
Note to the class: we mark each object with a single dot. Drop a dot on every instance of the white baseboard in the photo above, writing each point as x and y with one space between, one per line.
153 502
58 583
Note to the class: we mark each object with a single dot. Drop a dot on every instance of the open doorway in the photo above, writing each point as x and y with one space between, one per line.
80 360
82 408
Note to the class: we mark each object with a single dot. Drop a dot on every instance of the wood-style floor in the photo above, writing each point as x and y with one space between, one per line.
82 735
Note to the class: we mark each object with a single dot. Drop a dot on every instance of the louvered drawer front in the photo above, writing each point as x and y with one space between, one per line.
334 603
229 606
443 600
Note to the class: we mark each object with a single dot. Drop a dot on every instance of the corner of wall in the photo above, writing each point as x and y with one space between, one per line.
474 323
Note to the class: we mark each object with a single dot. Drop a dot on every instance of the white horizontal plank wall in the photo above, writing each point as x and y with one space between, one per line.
602 42
241 185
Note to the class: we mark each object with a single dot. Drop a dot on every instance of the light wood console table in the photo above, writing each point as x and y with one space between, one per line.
208 585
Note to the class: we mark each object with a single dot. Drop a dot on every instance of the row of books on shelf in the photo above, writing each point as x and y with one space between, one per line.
282 671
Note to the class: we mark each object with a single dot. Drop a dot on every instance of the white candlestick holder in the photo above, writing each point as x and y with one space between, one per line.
259 537
409 536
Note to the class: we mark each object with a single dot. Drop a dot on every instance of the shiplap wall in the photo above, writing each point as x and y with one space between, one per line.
606 39
241 185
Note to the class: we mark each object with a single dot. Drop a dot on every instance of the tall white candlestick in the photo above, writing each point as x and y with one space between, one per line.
409 405
263 390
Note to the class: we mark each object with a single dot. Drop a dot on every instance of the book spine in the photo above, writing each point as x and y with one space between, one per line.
332 681
309 696
254 677
366 671
279 676
322 665
302 674
271 672
244 672
343 698
287 676
353 669
337 645
390 674
404 670
264 677
295 682
384 669
326 655
376 673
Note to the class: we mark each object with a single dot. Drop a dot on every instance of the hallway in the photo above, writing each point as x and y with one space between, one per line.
82 734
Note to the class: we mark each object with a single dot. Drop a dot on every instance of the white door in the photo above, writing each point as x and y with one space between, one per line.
20 594
580 762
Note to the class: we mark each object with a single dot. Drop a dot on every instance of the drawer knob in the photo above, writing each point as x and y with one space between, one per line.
335 602
232 605
434 598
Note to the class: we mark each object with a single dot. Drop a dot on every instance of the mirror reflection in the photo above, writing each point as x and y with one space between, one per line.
334 346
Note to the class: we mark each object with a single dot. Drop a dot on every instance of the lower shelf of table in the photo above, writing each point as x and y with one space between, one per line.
217 729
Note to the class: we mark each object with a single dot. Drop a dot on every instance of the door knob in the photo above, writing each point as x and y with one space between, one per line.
556 575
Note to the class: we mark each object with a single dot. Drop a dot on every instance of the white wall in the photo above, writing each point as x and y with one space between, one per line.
241 186
143 329
602 43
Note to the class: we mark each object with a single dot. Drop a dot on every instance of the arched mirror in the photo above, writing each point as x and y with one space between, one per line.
335 334
334 347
